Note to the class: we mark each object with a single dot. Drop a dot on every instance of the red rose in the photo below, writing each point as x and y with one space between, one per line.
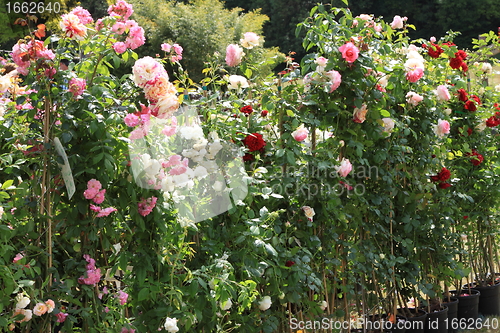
464 67
247 110
493 121
254 142
476 158
443 175
470 105
455 63
434 50
477 99
248 157
462 95
444 185
264 113
461 54
289 263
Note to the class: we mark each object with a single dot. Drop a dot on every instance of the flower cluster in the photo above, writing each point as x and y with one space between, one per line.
331 79
146 206
174 51
24 53
93 274
476 157
150 75
442 177
95 193
458 61
39 309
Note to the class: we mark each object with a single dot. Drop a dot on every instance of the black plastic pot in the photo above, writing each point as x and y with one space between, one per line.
489 301
436 321
468 306
416 322
452 312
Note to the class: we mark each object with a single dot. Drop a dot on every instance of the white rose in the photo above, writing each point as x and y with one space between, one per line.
237 81
486 67
265 303
309 212
323 305
22 301
171 325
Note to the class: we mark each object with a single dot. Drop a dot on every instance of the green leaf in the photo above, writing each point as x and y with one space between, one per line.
143 294
385 113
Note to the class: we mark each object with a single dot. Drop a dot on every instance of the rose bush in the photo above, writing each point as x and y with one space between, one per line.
150 202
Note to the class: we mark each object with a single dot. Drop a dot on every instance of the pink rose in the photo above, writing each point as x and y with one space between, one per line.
122 296
345 167
335 79
300 134
106 211
442 128
61 317
166 47
120 47
99 197
321 62
415 74
349 52
234 53
250 39
397 22
131 120
413 98
77 86
443 95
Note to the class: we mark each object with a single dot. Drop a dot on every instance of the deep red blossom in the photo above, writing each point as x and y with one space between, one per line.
462 95
444 185
470 106
434 50
476 157
248 157
264 113
456 63
289 263
254 142
461 54
476 98
494 120
443 175
247 109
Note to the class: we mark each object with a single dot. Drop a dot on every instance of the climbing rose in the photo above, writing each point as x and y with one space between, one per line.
83 15
309 212
121 8
349 52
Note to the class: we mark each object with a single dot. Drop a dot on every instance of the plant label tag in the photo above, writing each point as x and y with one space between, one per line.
65 168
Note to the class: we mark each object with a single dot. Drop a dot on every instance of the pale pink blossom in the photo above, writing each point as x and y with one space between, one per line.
321 62
432 39
442 128
335 79
131 120
250 39
349 52
50 305
18 257
300 134
178 49
135 37
388 125
28 314
77 86
345 167
83 15
309 212
122 296
237 82
119 28
359 114
72 26
166 106
413 98
397 22
166 47
234 54
442 93
40 309
90 193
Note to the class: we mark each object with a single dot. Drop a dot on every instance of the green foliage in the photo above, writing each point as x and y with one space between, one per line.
202 27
